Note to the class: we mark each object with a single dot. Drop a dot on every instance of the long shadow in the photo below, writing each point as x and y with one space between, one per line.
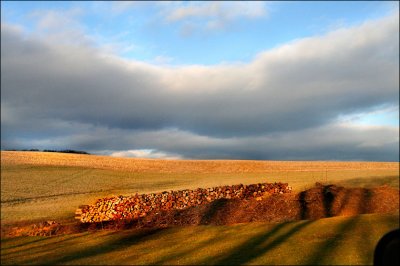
303 205
328 198
372 181
344 202
365 199
186 250
367 239
192 250
346 226
255 247
41 247
24 244
363 202
212 210
331 243
117 244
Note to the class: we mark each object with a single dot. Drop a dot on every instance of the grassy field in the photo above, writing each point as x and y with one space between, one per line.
338 240
36 185
39 186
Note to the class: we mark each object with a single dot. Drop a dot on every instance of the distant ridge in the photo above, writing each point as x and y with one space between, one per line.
145 165
61 151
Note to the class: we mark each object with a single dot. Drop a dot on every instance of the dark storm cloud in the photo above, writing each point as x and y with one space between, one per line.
77 95
331 142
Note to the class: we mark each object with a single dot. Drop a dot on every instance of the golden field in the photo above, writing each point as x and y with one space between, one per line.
43 185
183 166
38 186
329 241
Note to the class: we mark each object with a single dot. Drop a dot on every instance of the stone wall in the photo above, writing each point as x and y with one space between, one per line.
136 206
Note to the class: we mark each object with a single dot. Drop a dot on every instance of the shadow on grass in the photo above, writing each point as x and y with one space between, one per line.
329 246
369 182
184 249
37 239
27 248
367 243
209 217
120 243
342 232
257 246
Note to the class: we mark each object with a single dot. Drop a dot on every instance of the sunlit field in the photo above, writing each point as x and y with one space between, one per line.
338 240
198 132
38 185
41 186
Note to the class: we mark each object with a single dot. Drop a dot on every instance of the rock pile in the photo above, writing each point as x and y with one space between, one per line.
136 206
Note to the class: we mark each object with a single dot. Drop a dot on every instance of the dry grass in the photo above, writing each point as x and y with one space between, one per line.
338 240
184 166
36 185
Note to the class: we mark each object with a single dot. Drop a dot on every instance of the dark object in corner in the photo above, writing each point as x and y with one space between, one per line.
387 249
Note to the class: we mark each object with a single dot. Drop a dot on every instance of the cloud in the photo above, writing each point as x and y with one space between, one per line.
65 27
210 16
60 26
162 60
191 16
55 19
330 142
218 10
284 104
146 153
118 7
380 116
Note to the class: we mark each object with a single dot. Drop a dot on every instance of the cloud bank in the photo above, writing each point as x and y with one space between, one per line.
284 104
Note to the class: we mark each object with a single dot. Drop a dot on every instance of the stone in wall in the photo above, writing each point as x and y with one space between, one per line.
136 206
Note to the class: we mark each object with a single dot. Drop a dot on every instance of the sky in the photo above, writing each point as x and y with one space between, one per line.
202 80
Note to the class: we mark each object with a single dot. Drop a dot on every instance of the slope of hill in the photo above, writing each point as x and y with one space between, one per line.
38 185
338 240
184 166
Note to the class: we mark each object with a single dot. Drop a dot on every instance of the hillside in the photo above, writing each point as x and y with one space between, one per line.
49 186
337 240
38 185
184 166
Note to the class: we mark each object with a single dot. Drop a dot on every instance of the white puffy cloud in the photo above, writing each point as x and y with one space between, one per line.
146 153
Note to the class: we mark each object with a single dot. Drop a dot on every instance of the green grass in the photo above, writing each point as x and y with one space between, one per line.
338 240
32 192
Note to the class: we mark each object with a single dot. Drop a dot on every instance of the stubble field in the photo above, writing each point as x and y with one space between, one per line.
39 186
